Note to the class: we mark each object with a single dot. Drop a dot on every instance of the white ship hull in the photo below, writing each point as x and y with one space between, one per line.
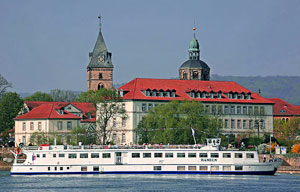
57 160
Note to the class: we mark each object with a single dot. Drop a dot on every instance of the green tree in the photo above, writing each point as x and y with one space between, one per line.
39 96
38 138
4 84
109 105
81 134
172 123
10 105
287 129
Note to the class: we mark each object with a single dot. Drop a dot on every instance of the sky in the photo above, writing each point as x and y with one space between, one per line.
44 45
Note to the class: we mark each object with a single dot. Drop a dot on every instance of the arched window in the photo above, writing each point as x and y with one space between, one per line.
184 75
195 75
100 86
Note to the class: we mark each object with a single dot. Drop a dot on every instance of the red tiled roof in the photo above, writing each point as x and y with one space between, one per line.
48 110
133 90
283 108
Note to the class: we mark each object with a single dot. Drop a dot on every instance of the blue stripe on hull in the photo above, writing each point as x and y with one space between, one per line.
154 172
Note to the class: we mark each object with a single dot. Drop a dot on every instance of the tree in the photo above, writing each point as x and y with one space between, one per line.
39 137
4 84
39 96
287 129
109 105
172 123
10 105
80 134
63 96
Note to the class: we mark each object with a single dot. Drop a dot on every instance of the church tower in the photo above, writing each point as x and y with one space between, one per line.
194 68
100 68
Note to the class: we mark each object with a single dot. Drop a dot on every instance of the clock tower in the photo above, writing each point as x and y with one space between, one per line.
100 67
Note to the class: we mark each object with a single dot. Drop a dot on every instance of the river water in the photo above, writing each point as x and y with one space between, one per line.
88 183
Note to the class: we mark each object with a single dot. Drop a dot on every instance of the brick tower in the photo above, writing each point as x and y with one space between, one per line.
100 68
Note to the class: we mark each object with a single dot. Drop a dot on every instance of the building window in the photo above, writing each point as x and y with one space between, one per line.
245 124
226 109
173 94
59 125
232 124
168 93
147 93
213 109
123 138
226 123
144 107
31 126
232 111
100 76
114 137
230 95
239 110
154 93
203 95
184 75
150 106
192 94
238 123
114 122
24 126
220 109
161 93
250 110
69 125
262 124
195 74
39 126
262 110
207 109
256 112
123 106
124 121
250 124
244 110
220 95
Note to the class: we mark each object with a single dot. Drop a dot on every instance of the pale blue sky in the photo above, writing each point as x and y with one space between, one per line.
45 44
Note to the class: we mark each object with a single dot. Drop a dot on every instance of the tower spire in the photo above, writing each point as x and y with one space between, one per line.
99 17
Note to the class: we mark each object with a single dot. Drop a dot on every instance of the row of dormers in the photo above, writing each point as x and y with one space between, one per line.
219 95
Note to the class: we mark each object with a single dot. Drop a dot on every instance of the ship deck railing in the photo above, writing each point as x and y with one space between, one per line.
155 146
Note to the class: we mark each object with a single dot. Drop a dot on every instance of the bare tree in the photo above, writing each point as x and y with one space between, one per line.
4 84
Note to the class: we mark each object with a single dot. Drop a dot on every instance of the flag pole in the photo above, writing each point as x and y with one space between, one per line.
193 133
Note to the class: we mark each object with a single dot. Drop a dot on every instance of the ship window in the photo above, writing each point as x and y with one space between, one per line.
169 155
192 155
44 155
159 155
203 168
72 156
48 168
157 168
95 168
68 168
226 168
192 168
238 168
95 155
202 154
37 155
250 155
238 155
135 155
146 155
226 155
83 155
214 155
105 155
54 155
61 168
62 155
181 155
180 168
84 168
55 168
214 168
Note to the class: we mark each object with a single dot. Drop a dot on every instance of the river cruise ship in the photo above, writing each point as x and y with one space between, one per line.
155 159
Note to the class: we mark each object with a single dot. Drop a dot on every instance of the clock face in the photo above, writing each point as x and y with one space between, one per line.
100 59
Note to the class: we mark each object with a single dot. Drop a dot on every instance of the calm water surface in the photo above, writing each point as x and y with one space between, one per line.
279 182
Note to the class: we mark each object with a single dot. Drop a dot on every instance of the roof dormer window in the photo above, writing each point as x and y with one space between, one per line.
192 94
198 94
161 93
211 95
249 96
203 95
168 93
173 93
219 95
147 92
